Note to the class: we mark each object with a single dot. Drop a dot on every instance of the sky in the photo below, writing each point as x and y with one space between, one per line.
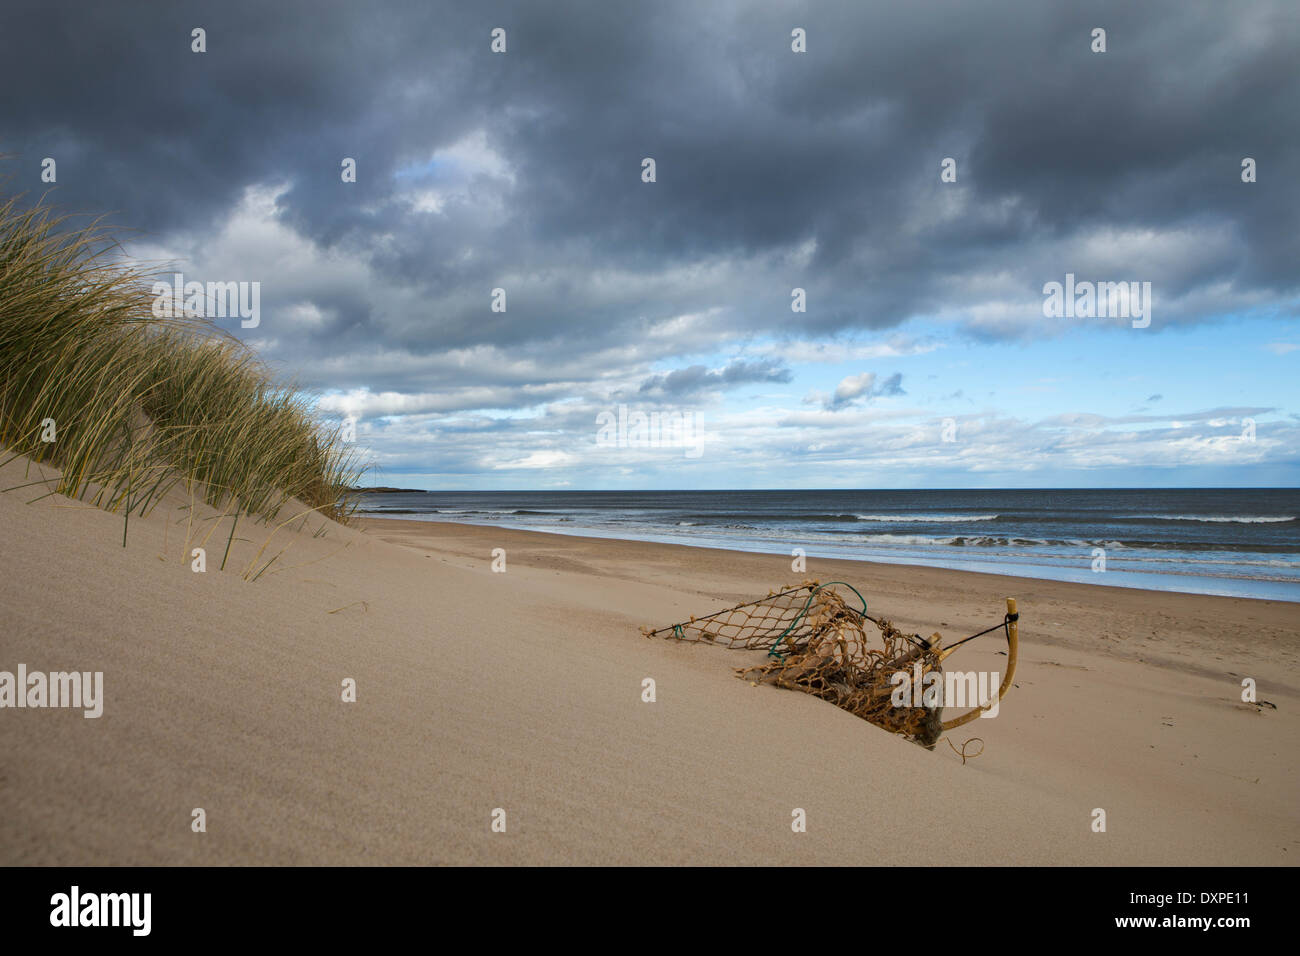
922 171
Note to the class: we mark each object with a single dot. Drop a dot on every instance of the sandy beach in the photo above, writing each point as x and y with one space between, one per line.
521 691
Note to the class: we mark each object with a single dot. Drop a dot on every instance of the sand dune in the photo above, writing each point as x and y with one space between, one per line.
522 690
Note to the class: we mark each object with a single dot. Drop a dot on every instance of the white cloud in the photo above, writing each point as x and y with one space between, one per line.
852 386
539 459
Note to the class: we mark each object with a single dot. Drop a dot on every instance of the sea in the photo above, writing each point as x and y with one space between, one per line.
1240 542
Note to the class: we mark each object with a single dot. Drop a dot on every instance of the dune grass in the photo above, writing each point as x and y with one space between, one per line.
136 403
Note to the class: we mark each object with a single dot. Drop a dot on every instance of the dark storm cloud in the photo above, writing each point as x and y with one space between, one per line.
774 170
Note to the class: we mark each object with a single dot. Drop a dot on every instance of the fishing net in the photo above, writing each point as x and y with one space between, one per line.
818 643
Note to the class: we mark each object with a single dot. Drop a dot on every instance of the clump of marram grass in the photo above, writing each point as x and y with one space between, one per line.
136 403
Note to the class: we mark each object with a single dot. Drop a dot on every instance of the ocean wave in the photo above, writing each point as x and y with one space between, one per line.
927 518
954 541
834 517
990 541
1220 519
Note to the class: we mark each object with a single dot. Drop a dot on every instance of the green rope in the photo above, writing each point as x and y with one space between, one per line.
773 652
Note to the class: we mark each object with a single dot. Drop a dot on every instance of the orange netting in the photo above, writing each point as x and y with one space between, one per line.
819 644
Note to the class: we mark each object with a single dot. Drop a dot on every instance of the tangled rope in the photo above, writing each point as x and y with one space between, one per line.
818 644
963 754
